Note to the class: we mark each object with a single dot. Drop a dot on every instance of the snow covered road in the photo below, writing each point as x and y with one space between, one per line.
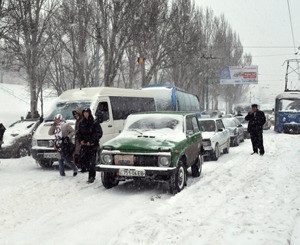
240 199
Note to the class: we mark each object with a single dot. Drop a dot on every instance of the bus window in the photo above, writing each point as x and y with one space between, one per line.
124 106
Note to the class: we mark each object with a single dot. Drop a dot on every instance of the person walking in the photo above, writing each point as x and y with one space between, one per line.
89 134
63 133
77 114
256 120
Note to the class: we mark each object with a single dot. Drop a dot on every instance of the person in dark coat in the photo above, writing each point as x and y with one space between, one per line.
77 114
36 114
256 120
28 116
89 134
2 130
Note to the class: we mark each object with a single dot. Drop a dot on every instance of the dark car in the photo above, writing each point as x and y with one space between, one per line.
245 125
236 130
17 139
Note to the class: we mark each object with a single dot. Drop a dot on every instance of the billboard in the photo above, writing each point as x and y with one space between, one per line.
239 75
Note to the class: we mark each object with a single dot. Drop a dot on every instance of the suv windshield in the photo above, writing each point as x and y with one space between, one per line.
66 108
150 124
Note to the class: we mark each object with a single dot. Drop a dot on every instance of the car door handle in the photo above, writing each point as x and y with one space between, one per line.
110 126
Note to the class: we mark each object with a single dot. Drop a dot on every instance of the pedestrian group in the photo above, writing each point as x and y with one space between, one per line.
84 153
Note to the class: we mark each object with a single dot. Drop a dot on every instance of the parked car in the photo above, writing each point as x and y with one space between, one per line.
236 130
157 146
17 139
216 138
268 123
245 125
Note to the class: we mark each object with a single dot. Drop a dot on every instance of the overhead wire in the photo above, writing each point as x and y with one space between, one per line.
292 29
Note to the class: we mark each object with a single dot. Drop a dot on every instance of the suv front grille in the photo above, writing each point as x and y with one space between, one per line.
150 161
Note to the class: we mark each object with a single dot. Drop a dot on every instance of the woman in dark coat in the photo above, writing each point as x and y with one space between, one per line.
77 113
89 134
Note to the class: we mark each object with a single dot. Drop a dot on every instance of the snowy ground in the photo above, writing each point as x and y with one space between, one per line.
240 199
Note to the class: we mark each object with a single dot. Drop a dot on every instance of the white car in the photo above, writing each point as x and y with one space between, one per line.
216 138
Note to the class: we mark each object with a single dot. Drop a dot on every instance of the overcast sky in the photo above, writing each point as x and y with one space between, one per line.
265 32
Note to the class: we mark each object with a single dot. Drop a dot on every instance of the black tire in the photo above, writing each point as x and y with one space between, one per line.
45 163
23 151
216 154
178 180
226 150
109 180
197 167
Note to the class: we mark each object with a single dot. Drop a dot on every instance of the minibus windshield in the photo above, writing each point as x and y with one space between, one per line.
66 108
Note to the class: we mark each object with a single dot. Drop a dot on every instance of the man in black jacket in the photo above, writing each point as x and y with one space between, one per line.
256 120
88 134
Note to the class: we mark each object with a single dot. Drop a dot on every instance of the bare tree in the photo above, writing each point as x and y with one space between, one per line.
115 33
26 39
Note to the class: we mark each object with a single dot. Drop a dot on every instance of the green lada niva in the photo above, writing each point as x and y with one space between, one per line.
158 146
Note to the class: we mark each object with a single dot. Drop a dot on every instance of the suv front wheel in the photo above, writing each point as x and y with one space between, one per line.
109 180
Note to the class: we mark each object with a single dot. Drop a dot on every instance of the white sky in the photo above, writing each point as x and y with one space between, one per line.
265 24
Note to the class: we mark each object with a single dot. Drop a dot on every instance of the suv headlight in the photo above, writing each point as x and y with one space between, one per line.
164 161
107 159
284 119
34 142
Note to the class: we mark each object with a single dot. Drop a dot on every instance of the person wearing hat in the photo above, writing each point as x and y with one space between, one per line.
63 133
89 134
256 120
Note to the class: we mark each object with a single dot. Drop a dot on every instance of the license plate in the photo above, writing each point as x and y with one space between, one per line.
132 172
50 155
124 159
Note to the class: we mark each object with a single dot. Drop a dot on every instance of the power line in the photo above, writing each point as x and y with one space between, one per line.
296 51
268 55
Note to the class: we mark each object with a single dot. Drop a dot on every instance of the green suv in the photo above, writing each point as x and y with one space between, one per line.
157 146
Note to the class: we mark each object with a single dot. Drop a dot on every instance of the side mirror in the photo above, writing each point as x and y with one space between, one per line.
189 133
